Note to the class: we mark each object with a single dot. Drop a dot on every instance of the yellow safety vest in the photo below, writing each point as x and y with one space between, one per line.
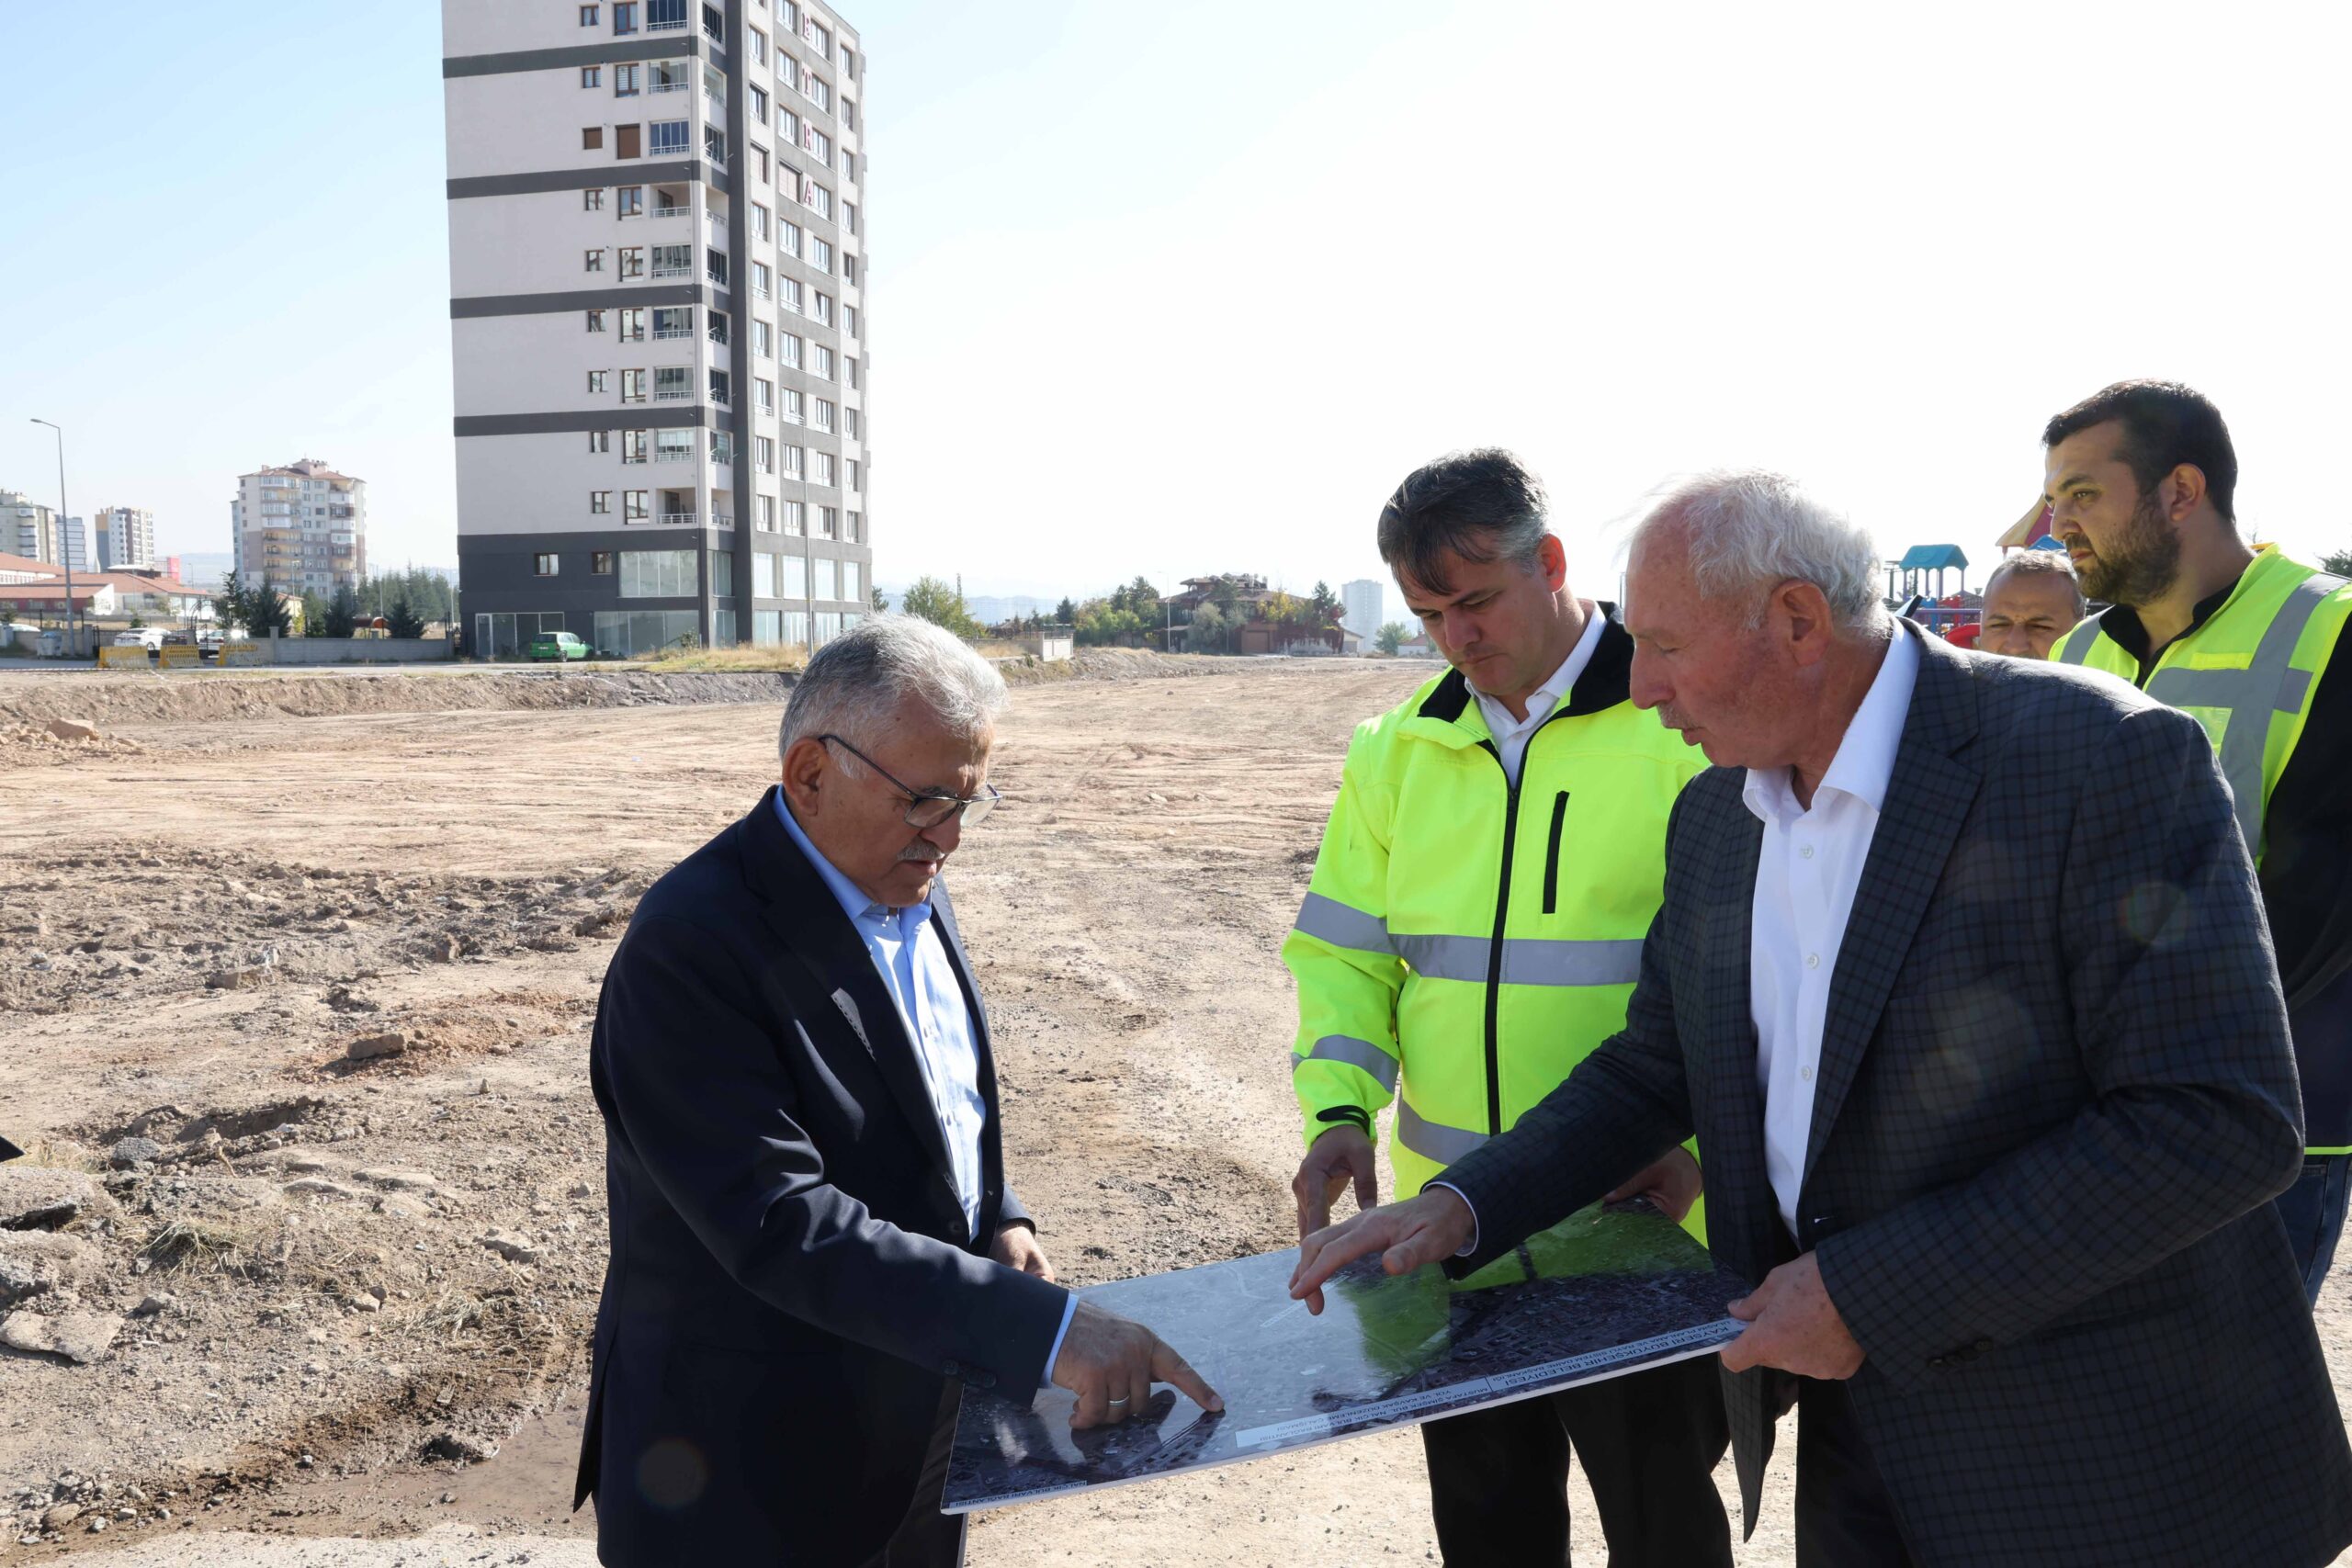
1464 943
2246 674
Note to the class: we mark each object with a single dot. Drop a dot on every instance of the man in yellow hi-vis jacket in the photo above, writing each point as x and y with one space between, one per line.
1472 931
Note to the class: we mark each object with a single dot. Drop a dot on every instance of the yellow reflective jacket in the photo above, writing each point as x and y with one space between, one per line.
1464 943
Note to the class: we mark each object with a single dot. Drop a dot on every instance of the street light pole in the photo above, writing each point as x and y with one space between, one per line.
64 544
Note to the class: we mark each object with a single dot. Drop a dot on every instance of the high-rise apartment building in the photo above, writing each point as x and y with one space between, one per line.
304 526
1359 606
657 269
29 529
126 539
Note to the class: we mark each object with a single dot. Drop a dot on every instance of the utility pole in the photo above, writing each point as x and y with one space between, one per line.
64 544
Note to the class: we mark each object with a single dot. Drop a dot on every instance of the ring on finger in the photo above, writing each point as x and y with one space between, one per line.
1116 1402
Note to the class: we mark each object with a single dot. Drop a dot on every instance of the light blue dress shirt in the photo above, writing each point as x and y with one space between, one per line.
912 965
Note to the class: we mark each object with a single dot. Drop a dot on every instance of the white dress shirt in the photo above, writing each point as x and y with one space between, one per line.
1511 734
1806 878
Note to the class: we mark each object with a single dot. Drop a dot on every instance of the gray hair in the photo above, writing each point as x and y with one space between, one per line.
1748 530
857 680
2039 563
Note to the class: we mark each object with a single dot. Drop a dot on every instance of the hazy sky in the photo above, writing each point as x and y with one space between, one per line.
1184 287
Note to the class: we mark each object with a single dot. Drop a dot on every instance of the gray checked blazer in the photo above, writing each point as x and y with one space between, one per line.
2055 1094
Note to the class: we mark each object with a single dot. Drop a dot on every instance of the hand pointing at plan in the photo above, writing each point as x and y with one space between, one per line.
1426 1229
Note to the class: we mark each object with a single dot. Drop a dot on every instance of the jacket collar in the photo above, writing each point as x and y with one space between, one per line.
1606 681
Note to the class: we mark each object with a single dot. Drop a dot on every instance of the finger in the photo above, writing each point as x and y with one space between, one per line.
1314 1211
1747 1350
1367 1188
1168 1367
1324 1254
1138 1393
1036 1264
1092 1403
1747 1309
1424 1245
1619 1194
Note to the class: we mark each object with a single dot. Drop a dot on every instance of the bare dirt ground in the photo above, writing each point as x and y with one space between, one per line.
318 1291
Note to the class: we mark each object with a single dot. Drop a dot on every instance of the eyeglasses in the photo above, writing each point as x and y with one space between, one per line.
929 808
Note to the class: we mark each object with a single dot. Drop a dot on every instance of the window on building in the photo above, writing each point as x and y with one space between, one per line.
853 526
829 579
596 321
819 94
599 381
763 575
760 161
596 261
853 581
795 461
824 365
759 109
673 261
820 255
718 320
853 375
849 167
851 464
722 448
792 295
787 130
824 412
600 563
849 113
632 386
675 444
759 221
824 308
763 340
633 324
791 351
633 505
632 200
788 239
625 142
794 514
600 440
669 138
722 388
820 468
624 17
633 261
849 61
544 563
763 395
849 216
665 17
672 321
722 574
822 146
849 320
672 383
592 138
762 455
761 284
849 423
820 201
588 16
592 199
765 515
591 75
759 45
715 267
628 80
633 445
791 406
600 500
658 574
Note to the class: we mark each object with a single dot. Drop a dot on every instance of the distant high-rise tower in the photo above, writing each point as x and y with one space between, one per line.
1359 606
657 269
126 539
303 526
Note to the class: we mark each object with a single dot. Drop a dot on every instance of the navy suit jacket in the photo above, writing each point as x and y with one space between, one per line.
790 1284
2055 1095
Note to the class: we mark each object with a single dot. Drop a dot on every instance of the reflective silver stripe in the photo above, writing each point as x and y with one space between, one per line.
1533 962
1433 1139
1527 961
1328 919
1356 1054
1446 957
2269 684
2073 650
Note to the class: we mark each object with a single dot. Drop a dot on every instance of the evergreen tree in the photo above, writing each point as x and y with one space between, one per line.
267 610
342 616
402 620
1066 612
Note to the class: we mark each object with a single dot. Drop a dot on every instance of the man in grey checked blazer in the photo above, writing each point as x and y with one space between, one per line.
2035 1307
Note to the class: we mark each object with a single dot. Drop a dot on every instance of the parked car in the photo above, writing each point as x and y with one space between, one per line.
152 639
559 646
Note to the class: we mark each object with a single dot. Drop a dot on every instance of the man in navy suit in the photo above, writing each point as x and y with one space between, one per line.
814 1249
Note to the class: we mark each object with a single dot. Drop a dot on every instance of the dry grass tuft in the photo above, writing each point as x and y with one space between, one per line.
789 656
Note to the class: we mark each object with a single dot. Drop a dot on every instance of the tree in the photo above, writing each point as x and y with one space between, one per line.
230 605
1390 636
342 616
939 603
1066 612
1324 603
2337 563
1210 628
401 619
314 615
881 600
266 610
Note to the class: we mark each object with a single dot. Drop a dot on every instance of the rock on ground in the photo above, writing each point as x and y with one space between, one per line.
81 1338
35 1197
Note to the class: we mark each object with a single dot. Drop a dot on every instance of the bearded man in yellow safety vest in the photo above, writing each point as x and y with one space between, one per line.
1473 929
2142 479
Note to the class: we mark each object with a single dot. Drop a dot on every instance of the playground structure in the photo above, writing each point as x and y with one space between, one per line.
1915 585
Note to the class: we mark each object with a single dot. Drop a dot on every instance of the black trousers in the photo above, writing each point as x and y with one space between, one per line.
1845 1517
1648 1444
927 1538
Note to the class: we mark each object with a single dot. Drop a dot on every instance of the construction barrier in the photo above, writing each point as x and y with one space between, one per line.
122 658
243 653
181 655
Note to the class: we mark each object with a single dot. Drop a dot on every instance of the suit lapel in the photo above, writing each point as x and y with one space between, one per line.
1927 799
803 915
1733 1147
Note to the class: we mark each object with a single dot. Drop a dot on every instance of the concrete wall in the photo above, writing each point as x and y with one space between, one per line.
351 650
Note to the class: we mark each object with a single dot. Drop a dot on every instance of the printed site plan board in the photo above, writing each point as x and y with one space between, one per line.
1603 1295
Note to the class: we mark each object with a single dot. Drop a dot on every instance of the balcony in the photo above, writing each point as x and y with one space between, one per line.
680 519
676 84
673 332
673 212
677 455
